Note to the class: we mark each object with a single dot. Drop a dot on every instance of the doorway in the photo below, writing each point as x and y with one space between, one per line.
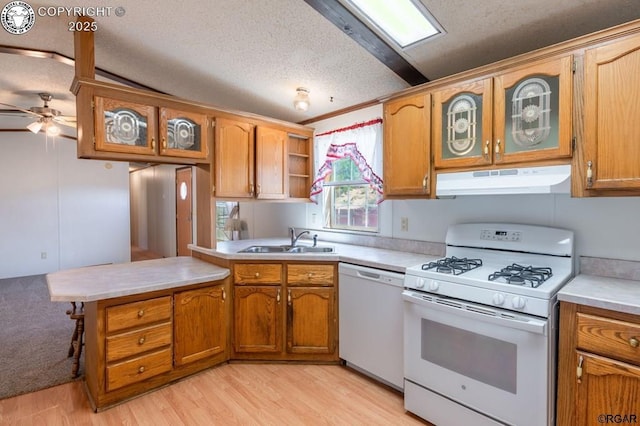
184 211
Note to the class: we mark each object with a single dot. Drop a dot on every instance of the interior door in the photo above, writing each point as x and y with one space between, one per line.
184 214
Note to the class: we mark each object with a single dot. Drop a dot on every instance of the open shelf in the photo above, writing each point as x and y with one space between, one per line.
300 166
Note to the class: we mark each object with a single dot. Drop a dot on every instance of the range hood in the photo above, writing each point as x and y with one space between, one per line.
528 180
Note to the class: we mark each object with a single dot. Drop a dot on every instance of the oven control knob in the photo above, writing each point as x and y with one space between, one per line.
420 282
434 285
498 299
518 302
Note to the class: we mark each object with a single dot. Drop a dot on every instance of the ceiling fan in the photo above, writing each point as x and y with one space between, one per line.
47 118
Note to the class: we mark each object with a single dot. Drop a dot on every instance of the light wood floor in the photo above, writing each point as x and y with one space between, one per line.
231 394
138 254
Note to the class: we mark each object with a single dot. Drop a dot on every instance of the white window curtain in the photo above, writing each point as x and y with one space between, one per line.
361 142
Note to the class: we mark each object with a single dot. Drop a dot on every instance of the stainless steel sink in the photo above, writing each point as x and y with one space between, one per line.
306 249
286 249
264 249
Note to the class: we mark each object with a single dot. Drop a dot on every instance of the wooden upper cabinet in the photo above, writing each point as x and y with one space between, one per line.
272 180
612 115
184 134
533 112
136 128
122 126
233 173
407 152
522 115
462 124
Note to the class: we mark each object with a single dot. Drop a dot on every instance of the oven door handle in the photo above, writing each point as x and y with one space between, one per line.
476 312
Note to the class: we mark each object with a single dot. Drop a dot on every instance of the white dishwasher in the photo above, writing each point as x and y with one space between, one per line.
371 322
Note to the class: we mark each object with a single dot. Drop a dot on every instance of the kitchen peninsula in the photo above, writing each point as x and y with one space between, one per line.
147 323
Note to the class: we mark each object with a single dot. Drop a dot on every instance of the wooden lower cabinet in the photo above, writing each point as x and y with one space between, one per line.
311 320
257 320
200 323
599 367
134 344
285 311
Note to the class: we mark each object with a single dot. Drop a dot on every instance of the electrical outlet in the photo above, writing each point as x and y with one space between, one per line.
404 224
313 218
43 255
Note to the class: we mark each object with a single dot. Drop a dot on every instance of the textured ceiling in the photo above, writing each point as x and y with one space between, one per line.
251 55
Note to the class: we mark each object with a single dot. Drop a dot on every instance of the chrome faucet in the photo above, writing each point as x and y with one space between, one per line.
294 237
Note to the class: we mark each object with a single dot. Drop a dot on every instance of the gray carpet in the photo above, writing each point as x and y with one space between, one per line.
34 337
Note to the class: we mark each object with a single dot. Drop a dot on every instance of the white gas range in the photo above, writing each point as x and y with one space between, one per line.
481 325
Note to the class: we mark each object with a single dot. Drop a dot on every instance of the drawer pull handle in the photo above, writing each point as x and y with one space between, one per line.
140 313
141 369
257 275
141 340
634 342
310 275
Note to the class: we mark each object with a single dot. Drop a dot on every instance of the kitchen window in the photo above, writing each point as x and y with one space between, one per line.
350 202
349 176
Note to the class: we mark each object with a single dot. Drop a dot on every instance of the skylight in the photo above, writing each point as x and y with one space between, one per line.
402 20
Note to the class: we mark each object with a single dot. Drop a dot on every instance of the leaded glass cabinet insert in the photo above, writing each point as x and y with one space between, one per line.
124 126
462 126
532 121
183 133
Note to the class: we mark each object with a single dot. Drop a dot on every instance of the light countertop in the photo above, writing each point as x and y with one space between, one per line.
391 260
107 281
615 294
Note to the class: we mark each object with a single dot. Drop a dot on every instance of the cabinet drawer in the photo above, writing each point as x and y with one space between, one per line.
138 369
609 337
134 342
256 273
310 274
138 313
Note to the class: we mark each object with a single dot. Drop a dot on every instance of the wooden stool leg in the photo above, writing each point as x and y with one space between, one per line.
78 347
74 336
75 349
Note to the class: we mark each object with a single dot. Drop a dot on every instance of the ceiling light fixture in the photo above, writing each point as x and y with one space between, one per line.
301 101
52 129
36 126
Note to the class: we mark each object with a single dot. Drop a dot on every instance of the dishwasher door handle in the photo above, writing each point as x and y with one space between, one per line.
367 274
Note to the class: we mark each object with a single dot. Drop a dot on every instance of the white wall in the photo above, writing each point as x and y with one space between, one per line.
606 227
71 212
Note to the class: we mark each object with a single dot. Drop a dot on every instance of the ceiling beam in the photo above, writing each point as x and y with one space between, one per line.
349 24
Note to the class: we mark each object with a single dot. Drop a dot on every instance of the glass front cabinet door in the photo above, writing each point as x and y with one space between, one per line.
462 124
532 112
519 116
122 126
183 134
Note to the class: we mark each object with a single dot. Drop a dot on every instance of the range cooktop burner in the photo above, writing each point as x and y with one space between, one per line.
453 265
531 276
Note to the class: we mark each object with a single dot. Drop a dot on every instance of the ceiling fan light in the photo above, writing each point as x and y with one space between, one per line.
301 101
35 126
53 130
